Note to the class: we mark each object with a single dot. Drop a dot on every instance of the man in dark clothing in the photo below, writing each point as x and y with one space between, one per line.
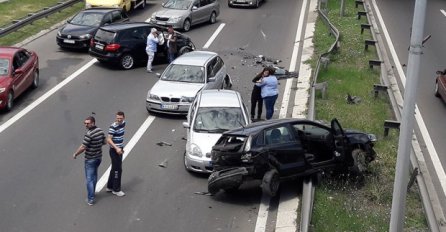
256 98
92 144
171 44
116 141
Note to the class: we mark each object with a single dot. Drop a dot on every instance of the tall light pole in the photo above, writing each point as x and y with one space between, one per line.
408 118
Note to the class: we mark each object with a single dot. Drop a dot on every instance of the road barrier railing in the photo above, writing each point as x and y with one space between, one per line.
19 23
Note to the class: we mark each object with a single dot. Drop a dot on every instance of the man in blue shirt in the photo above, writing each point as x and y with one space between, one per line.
116 141
151 48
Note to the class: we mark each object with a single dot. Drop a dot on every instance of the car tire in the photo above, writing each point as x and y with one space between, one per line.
359 161
213 18
271 182
257 4
184 50
127 61
9 101
229 4
437 94
35 83
213 188
185 165
186 25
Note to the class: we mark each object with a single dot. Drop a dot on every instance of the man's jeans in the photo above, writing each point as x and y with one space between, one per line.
91 174
269 105
150 56
171 56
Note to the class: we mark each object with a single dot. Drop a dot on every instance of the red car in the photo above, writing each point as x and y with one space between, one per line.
19 70
440 85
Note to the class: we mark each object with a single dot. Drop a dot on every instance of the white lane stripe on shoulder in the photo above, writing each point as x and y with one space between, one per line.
443 12
42 98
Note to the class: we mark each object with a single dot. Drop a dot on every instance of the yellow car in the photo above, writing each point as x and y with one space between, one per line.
126 5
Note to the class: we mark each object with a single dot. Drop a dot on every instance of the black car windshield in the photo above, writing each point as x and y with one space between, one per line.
218 120
184 73
4 67
87 19
178 4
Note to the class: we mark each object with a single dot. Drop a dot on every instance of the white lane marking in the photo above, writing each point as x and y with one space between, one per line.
42 98
289 81
443 12
263 34
262 216
214 36
127 149
418 117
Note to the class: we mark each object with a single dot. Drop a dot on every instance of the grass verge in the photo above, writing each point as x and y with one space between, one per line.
340 204
16 9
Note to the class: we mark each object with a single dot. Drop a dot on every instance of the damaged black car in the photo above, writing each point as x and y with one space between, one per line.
276 150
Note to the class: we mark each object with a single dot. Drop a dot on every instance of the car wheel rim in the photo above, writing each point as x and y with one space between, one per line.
186 25
213 18
127 62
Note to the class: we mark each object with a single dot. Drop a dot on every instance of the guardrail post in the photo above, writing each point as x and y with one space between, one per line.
365 26
361 13
321 86
369 42
375 63
358 2
379 88
390 124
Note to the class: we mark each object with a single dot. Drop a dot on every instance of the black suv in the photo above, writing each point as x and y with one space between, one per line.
125 44
78 31
286 148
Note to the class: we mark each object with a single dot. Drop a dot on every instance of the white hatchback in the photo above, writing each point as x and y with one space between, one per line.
211 113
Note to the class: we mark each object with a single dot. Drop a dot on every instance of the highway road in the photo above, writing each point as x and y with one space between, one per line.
43 187
432 109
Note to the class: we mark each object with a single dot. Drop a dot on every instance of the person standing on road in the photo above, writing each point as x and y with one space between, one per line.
116 141
171 44
256 98
269 90
92 144
151 48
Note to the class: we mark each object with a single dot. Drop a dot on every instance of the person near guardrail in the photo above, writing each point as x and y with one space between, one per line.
256 98
151 48
269 90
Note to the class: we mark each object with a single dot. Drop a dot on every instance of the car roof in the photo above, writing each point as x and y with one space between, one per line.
127 25
219 98
256 127
100 9
195 58
8 51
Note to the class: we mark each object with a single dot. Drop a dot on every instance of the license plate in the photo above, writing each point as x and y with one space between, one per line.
68 41
170 107
161 22
99 47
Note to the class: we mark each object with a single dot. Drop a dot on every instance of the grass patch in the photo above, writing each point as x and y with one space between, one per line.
340 205
16 9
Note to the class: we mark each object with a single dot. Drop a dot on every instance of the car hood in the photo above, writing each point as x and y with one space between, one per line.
204 141
170 13
176 89
73 29
358 136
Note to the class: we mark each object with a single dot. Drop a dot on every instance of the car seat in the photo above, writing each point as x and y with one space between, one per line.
275 136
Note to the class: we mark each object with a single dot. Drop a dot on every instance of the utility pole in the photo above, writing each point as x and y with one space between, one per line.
408 118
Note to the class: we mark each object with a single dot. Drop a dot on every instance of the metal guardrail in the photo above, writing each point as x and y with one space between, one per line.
17 24
308 187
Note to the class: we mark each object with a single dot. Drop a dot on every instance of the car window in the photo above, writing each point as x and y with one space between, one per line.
105 36
87 19
4 67
218 120
107 19
197 3
210 68
192 110
23 56
178 4
278 135
217 65
203 3
183 73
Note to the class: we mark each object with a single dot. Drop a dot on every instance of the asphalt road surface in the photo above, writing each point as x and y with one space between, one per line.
43 187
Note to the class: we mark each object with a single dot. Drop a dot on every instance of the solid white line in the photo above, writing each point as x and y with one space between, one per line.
42 98
289 81
214 36
262 216
418 117
127 149
443 12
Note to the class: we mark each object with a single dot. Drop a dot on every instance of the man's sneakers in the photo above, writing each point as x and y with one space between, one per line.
119 194
108 190
90 202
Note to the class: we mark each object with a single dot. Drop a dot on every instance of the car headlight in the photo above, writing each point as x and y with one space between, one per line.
2 90
59 33
174 19
152 96
86 36
187 99
195 150
372 137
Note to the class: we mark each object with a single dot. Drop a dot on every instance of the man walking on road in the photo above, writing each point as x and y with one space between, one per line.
92 144
116 141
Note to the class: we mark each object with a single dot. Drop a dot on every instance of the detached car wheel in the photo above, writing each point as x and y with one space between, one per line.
127 61
271 182
359 161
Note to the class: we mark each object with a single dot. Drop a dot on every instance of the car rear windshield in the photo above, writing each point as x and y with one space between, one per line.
184 73
4 67
218 120
105 36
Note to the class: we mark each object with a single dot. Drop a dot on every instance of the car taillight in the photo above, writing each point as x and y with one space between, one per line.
112 47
